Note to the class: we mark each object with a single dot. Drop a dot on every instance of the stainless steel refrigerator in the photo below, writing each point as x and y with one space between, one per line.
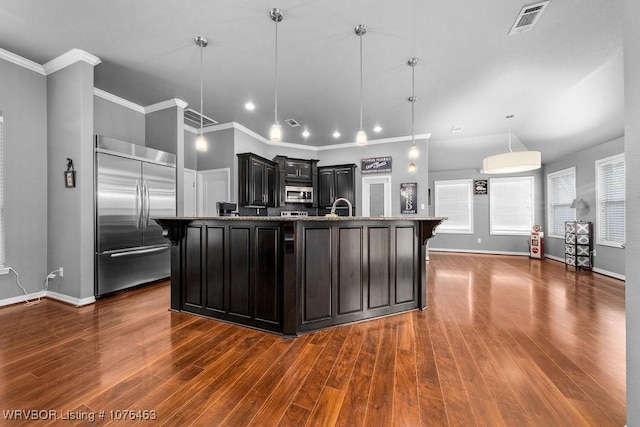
133 184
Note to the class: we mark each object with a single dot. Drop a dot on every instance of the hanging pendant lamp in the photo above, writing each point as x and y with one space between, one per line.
275 134
201 141
513 161
414 153
361 136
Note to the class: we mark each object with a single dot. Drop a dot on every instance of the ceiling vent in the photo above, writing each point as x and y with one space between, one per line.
528 17
193 117
292 123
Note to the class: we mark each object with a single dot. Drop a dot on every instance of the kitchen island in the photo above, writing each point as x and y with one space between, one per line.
291 275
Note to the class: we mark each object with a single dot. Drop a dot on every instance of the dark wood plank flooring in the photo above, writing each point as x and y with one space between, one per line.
505 341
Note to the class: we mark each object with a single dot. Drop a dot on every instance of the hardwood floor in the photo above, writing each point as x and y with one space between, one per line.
505 341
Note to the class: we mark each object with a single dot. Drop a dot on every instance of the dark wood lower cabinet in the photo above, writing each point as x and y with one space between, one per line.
293 276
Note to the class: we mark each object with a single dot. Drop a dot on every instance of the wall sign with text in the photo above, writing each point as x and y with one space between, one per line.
376 165
480 186
409 198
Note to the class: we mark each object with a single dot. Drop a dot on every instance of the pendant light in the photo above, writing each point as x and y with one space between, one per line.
413 150
361 136
513 161
201 141
275 134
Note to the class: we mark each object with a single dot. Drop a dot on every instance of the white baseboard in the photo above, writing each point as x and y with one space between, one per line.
595 269
478 251
78 302
555 258
21 298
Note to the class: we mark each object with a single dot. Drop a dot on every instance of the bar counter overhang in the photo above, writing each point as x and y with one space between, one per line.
291 275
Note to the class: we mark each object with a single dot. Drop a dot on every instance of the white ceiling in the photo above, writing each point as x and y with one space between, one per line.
563 80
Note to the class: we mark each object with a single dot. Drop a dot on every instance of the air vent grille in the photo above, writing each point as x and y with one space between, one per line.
528 17
191 116
292 122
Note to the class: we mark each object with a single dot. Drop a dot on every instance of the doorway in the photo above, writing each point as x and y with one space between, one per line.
213 186
376 196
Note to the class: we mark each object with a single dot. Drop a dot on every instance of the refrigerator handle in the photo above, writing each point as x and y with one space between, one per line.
147 202
138 205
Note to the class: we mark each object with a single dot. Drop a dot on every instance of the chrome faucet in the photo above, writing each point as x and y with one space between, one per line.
333 207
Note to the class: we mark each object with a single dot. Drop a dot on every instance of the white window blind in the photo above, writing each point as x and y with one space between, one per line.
561 191
454 200
511 205
610 218
2 259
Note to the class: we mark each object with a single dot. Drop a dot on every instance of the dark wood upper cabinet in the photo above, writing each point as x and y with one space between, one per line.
257 181
334 182
297 170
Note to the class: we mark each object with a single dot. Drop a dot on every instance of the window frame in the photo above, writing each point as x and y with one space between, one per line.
599 163
3 248
442 229
492 194
550 204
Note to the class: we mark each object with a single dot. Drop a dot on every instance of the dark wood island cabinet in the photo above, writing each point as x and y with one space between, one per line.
295 275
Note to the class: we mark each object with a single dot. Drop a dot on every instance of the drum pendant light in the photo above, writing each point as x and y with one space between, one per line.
201 141
361 136
513 161
414 153
275 134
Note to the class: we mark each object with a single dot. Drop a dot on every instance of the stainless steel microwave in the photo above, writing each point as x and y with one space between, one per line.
298 194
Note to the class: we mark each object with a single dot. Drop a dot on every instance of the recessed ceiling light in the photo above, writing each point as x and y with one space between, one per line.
377 129
306 133
250 106
457 129
336 134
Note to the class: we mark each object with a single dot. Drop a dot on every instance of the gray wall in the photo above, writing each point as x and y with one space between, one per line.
632 162
23 104
607 258
115 121
400 161
481 226
164 130
71 218
190 153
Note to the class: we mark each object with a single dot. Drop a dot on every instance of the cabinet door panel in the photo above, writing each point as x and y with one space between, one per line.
349 270
405 253
258 184
325 187
266 289
193 268
379 280
270 190
215 268
344 184
317 284
239 270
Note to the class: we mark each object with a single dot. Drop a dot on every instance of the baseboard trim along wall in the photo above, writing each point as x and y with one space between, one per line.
477 251
595 269
78 302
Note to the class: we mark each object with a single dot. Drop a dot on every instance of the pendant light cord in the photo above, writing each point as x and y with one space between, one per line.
413 103
201 88
276 76
361 82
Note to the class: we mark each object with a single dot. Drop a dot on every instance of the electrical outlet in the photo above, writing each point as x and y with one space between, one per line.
594 252
4 270
61 272
422 206
479 239
51 275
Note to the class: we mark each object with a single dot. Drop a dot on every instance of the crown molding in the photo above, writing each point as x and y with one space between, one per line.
22 62
374 142
69 58
169 103
117 100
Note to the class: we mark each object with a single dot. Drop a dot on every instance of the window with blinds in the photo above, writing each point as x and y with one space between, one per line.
511 205
610 196
561 191
454 200
2 259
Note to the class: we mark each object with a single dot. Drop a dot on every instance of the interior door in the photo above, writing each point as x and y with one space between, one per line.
189 192
376 196
118 202
159 192
213 186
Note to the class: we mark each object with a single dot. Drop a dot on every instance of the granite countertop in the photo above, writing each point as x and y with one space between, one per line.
307 218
